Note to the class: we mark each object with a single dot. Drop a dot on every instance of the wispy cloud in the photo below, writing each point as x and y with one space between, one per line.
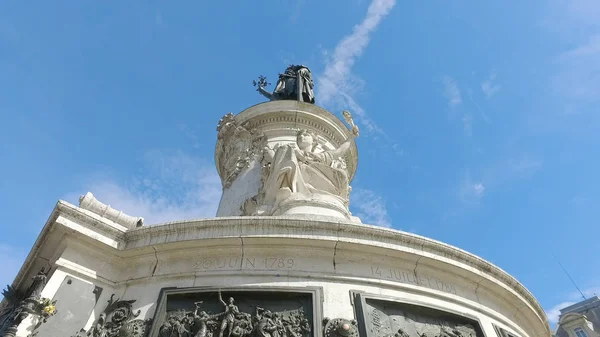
524 167
370 207
488 86
298 6
554 312
578 78
172 186
451 91
338 84
467 120
471 191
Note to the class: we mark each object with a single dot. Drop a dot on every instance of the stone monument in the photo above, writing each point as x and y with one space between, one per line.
283 257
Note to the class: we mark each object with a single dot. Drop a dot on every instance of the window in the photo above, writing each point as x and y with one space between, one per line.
580 333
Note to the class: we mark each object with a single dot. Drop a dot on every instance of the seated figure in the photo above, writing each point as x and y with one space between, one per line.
297 171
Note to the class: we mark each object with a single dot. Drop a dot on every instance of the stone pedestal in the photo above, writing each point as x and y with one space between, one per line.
243 143
321 278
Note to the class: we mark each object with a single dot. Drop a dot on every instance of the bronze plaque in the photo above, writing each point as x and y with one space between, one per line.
384 317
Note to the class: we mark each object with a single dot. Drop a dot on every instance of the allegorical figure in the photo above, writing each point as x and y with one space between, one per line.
231 311
298 168
295 83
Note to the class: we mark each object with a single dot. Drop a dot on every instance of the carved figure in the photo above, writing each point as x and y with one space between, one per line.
231 310
298 169
202 320
118 320
294 84
232 322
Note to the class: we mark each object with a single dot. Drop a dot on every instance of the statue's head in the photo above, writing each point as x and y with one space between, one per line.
306 140
231 300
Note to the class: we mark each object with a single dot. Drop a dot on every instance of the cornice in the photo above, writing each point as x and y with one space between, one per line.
317 228
235 227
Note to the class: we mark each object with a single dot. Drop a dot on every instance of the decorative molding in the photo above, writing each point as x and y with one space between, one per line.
236 148
340 327
118 320
501 332
496 281
343 231
90 203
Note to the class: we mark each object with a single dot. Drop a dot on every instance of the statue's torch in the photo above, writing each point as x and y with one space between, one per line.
350 121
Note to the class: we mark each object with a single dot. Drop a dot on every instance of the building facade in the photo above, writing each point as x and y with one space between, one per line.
580 319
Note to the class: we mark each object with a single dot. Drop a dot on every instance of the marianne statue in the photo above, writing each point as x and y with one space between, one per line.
294 84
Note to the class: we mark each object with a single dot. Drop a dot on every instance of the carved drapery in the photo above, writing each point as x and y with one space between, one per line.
300 172
118 320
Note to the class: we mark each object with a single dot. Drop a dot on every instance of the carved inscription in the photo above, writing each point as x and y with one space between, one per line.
259 263
407 277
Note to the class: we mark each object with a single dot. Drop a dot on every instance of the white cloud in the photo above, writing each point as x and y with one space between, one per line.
172 186
471 191
575 79
467 120
579 72
525 167
451 91
554 312
370 208
493 177
488 87
337 84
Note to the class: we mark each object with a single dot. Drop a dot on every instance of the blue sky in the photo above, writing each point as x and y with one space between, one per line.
479 119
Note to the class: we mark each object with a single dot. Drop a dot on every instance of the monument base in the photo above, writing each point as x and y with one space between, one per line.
318 205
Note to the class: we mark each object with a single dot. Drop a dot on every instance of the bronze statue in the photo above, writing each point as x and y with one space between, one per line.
294 84
231 311
232 322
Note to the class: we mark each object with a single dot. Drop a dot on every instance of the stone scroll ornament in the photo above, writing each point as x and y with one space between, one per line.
118 320
236 147
231 322
340 327
20 305
302 171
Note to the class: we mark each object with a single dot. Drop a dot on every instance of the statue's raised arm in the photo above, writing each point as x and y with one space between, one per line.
342 149
295 83
260 85
221 299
